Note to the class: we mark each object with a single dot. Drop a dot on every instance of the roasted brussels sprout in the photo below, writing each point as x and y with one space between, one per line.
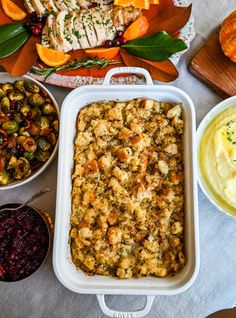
20 140
43 144
7 87
24 132
55 125
22 168
5 104
43 122
28 94
14 152
36 100
29 145
42 156
17 117
10 126
34 129
19 85
31 87
35 113
28 155
12 162
28 129
16 96
25 109
52 138
48 109
2 94
2 142
4 177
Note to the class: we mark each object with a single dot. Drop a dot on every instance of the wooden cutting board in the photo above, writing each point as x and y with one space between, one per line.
213 68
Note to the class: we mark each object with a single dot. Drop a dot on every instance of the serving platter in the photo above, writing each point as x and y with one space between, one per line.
95 76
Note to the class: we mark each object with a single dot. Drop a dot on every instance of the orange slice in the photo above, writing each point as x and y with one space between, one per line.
51 57
107 53
154 1
137 29
12 10
139 4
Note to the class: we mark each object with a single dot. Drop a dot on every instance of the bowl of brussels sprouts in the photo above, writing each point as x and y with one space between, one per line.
29 128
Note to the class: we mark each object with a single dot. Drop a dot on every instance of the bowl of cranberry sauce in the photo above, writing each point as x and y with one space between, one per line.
24 242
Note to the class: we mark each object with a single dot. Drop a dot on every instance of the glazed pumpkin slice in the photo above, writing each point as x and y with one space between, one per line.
86 19
62 36
79 32
69 28
39 7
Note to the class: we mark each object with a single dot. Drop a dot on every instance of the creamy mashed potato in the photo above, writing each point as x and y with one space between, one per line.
217 158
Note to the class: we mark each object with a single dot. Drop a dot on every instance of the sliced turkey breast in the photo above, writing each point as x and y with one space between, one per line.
29 6
51 33
86 19
50 6
69 29
97 19
45 38
60 4
63 38
89 27
80 33
39 7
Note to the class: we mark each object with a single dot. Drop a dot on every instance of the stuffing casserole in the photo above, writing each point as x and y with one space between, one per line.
127 193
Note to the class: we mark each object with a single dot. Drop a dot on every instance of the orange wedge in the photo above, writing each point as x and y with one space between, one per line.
107 53
137 29
154 1
51 57
12 10
139 4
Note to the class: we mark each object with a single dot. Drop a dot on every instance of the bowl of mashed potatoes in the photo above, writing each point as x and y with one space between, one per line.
216 141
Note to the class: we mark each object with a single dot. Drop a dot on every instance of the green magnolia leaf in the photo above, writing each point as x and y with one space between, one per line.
158 47
13 44
8 31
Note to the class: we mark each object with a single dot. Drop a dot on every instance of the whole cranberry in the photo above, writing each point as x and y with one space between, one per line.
119 33
108 43
40 25
36 30
123 40
116 42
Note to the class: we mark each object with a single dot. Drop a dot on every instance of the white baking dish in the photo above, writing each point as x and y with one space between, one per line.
66 272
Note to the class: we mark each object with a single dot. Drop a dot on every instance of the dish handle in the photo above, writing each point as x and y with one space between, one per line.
125 314
127 70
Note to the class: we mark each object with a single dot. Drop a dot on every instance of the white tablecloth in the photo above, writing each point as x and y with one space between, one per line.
215 288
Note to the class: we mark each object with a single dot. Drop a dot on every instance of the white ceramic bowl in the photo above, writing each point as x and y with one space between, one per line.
219 108
5 77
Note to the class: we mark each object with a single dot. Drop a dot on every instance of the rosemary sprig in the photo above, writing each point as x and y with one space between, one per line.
75 64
